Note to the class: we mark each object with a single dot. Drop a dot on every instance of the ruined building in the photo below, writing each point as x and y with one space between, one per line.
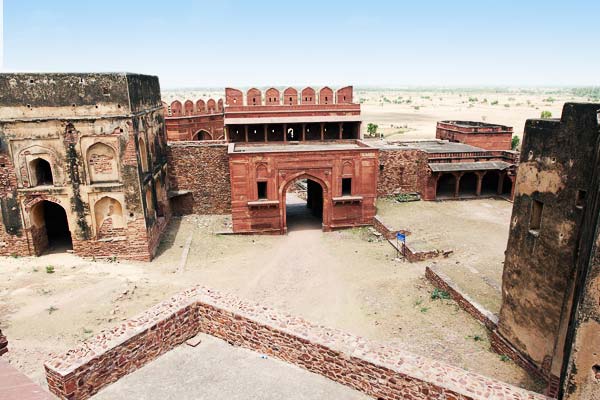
551 283
82 164
479 134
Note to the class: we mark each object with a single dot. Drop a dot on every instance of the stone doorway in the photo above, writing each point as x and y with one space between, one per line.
50 228
303 205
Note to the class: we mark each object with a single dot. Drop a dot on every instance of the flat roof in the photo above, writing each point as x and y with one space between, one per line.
469 166
429 146
292 147
474 124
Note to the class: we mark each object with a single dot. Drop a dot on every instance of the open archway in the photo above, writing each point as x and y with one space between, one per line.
50 228
489 183
303 204
468 185
445 186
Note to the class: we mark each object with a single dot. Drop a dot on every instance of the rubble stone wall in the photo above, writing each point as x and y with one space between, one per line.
402 171
202 170
381 371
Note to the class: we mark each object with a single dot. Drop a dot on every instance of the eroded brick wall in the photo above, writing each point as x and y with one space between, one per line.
381 371
402 171
202 170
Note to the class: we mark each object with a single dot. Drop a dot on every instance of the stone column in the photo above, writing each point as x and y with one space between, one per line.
479 182
341 130
266 129
303 132
246 133
500 182
284 133
322 131
457 184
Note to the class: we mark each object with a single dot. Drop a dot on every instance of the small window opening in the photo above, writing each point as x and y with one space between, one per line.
262 190
290 100
254 100
596 371
580 201
346 186
344 98
536 216
381 167
325 98
43 172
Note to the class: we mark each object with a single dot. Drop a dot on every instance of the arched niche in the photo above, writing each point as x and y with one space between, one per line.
102 163
108 213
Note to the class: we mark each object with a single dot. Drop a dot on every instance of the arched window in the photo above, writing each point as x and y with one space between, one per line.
41 172
102 163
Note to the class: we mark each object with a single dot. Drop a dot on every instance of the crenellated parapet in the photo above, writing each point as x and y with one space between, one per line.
191 108
289 97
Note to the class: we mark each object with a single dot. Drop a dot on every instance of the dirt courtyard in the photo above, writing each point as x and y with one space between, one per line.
343 279
475 230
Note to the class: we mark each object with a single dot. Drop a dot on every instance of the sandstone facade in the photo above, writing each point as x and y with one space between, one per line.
82 164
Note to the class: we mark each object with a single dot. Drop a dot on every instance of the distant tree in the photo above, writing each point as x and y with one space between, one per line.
546 114
514 143
372 129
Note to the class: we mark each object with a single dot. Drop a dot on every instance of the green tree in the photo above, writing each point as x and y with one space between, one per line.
514 143
372 129
546 114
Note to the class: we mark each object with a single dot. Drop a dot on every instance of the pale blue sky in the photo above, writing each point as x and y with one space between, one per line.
380 43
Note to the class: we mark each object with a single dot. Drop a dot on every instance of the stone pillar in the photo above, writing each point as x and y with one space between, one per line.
285 133
303 132
266 129
479 182
500 182
457 184
341 129
246 133
322 131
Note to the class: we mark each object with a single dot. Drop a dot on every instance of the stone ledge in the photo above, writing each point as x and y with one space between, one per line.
378 369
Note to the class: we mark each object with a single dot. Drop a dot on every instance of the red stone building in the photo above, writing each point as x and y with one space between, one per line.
479 134
276 117
341 181
442 170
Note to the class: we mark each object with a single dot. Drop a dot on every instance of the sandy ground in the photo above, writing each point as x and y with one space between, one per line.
344 279
216 370
415 113
475 230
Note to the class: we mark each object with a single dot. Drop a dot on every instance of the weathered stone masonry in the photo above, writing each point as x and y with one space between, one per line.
550 287
78 152
199 177
381 371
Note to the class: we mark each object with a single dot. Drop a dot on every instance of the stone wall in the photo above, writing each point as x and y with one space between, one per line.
381 371
202 170
402 171
440 280
544 252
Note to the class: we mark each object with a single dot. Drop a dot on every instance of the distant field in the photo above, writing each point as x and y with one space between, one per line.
412 113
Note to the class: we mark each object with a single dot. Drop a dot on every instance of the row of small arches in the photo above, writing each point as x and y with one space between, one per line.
273 97
200 107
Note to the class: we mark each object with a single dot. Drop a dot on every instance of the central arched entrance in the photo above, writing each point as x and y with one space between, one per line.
50 228
303 205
